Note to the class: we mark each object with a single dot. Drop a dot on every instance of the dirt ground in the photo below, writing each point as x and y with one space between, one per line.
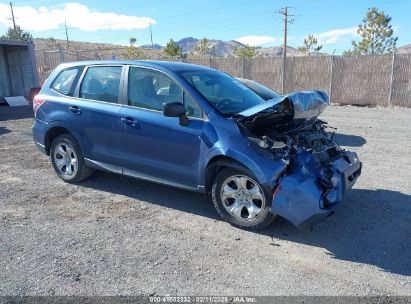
114 235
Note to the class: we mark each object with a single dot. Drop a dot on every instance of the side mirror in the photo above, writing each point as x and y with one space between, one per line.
176 109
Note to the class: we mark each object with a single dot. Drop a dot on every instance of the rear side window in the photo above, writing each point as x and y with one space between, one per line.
64 81
101 83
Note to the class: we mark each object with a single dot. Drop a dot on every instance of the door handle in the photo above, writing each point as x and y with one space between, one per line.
129 121
75 110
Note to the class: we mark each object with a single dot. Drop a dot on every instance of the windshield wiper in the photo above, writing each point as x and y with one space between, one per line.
229 113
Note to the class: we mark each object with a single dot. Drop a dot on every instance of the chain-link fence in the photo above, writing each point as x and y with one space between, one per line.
48 60
383 80
400 92
266 71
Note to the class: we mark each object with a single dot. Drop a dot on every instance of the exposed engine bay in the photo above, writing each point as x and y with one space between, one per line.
288 127
312 137
284 131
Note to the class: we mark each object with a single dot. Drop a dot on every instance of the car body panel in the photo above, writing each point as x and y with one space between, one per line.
306 104
97 126
158 148
300 198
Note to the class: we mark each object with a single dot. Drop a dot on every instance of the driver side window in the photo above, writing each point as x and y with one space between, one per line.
149 89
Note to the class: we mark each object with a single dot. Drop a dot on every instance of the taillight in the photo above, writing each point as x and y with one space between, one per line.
33 92
37 102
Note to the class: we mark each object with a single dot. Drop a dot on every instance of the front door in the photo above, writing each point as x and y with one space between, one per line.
158 147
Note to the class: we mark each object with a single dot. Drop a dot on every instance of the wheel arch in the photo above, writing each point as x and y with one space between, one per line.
218 163
52 133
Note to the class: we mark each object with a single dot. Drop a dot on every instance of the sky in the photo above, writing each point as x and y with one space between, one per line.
254 22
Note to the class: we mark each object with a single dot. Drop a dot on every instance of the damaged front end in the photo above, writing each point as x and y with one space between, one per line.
318 172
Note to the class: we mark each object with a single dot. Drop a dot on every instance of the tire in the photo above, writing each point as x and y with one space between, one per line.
240 200
68 160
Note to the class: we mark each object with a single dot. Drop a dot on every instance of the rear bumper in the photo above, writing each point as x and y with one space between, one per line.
304 199
41 147
39 135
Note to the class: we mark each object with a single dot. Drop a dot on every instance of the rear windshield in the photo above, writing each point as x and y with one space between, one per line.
225 93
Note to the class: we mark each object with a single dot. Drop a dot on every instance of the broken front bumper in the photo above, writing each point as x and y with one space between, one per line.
303 197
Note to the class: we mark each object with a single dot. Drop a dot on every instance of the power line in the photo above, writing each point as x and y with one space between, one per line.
94 25
226 20
181 14
30 2
163 18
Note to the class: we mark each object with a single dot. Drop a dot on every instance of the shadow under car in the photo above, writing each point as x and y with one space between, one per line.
370 226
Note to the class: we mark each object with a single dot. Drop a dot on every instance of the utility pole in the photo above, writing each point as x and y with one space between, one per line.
151 36
67 38
284 12
12 16
285 34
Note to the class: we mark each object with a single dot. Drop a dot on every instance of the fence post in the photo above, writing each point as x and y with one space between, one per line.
392 79
61 55
209 61
77 55
331 76
44 58
242 67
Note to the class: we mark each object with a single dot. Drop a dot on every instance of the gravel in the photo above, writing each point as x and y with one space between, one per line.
113 235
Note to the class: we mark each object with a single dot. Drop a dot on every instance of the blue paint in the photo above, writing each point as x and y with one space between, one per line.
160 147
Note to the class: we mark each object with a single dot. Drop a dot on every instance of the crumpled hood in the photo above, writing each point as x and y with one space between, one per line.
306 104
302 105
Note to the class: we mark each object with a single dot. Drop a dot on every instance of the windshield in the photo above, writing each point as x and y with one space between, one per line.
225 93
261 90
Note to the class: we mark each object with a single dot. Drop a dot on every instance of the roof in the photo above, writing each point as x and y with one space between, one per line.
15 42
172 65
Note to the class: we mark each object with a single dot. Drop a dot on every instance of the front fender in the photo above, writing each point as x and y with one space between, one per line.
266 171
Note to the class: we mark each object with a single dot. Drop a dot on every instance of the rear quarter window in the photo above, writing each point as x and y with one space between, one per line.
63 83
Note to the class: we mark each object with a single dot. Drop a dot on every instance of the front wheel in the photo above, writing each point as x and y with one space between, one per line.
241 200
68 160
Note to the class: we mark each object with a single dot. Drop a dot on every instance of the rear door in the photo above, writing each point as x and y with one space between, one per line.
158 147
94 113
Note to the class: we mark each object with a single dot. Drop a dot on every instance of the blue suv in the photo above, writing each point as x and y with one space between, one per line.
258 153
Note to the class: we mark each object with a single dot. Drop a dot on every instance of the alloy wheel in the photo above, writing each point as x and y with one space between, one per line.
242 197
65 159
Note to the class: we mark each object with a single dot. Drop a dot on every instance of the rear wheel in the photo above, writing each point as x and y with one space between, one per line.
241 200
68 160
